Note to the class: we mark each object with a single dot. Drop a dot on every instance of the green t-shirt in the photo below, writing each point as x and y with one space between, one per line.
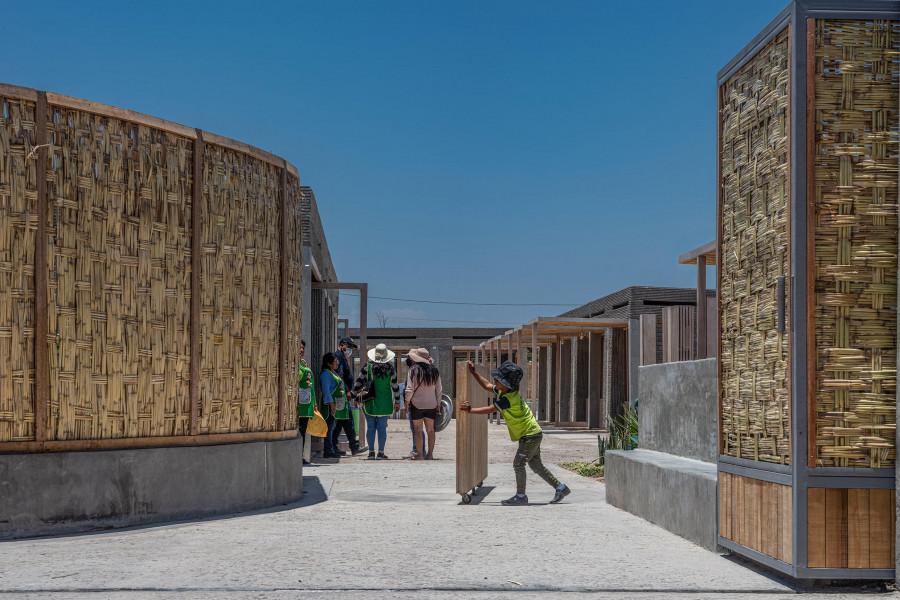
516 413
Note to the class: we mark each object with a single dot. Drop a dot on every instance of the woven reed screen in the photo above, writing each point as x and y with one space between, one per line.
18 227
856 116
118 272
754 364
119 278
241 237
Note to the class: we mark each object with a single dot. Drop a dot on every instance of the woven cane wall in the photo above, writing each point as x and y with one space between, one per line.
18 226
119 278
118 270
294 257
755 403
856 116
241 237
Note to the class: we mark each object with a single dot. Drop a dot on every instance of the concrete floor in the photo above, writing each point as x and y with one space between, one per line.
395 529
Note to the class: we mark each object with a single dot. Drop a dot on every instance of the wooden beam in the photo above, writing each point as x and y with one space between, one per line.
196 281
707 251
145 442
334 285
41 296
811 349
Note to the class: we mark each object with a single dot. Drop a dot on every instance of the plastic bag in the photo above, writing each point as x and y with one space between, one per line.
317 426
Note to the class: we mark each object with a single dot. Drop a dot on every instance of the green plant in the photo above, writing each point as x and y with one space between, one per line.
623 433
585 469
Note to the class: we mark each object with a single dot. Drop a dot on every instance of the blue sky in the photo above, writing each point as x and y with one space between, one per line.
497 152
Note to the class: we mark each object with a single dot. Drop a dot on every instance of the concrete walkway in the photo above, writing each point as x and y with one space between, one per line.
396 529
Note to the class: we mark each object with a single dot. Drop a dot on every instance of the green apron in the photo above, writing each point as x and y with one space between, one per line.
306 392
382 405
339 397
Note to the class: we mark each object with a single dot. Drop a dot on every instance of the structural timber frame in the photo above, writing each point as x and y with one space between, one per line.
610 363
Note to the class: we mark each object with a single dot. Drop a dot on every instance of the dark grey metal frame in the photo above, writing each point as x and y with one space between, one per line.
799 475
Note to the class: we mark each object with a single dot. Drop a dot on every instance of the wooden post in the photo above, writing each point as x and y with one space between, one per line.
595 380
363 340
701 306
523 362
196 268
648 339
557 367
282 325
41 297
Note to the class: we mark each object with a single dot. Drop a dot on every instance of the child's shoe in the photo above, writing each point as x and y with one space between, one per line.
515 501
560 494
371 456
381 456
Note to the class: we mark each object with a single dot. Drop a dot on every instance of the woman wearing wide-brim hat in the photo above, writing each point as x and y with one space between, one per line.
423 398
380 377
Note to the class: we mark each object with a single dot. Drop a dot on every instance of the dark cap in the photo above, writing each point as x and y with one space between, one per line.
509 374
349 342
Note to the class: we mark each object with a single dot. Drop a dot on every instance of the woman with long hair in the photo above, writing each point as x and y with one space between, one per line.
423 399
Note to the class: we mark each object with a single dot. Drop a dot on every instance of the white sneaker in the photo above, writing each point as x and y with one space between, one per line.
411 454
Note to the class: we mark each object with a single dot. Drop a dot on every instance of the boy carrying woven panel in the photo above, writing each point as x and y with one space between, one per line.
522 425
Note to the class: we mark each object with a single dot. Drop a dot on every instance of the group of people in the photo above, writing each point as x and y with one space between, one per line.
377 392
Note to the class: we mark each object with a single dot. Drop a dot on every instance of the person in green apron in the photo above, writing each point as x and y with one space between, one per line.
337 408
380 376
306 396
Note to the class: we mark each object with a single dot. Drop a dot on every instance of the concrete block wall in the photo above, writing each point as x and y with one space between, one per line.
68 492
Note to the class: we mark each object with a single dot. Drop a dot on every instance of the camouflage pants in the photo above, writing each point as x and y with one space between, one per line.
529 453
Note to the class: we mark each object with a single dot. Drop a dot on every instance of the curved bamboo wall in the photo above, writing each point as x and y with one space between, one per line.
135 258
754 361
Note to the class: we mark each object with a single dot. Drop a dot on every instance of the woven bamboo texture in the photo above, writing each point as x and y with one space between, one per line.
294 257
241 243
754 150
119 278
18 228
856 118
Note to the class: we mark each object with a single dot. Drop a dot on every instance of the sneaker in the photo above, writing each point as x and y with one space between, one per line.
363 447
306 463
331 455
411 454
358 450
560 494
381 456
341 452
515 501
371 456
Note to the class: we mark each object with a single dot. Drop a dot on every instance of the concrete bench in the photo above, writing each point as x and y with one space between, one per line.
676 493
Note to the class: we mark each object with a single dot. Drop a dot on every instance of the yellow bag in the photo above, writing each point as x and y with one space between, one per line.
317 426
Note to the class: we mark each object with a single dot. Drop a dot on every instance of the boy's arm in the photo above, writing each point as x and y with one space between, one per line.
481 380
482 410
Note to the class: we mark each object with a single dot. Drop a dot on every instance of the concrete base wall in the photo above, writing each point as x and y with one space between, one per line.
67 492
677 411
678 494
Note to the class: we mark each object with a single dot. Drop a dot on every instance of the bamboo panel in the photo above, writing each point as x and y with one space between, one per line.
851 528
756 514
294 257
18 228
119 278
471 433
754 151
241 239
856 119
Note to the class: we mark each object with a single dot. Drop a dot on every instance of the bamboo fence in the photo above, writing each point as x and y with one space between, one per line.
754 360
855 171
149 281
